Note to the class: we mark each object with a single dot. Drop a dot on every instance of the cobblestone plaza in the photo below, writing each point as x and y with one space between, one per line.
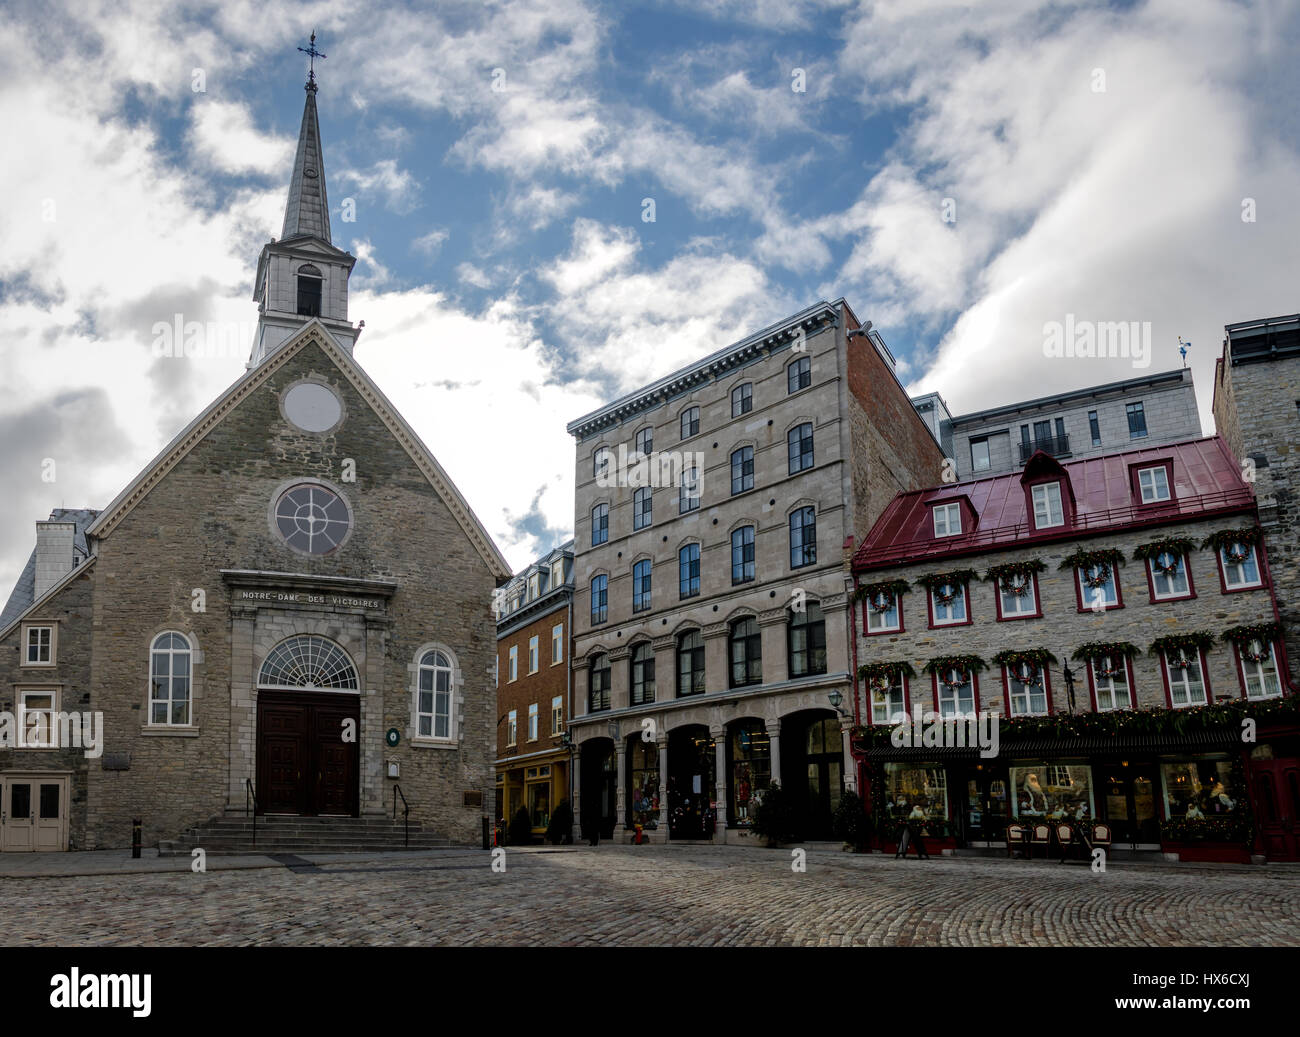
698 896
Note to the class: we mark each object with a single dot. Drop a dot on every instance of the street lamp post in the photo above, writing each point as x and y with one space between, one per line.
1068 674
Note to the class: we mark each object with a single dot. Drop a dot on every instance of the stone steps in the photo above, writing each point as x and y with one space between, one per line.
234 834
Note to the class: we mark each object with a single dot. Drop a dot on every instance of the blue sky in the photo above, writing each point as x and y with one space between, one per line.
506 276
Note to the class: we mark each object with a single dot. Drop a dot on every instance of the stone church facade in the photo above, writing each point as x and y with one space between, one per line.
292 602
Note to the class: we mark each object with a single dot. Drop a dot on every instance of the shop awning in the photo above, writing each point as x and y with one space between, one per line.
1208 740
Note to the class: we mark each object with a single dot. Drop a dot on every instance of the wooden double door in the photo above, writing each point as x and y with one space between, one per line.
33 813
1277 807
307 753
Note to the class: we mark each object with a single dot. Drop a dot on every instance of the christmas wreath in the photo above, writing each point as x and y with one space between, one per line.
1016 661
1255 642
1109 557
1175 647
1096 651
1014 577
965 665
881 676
1236 544
946 587
1167 547
881 597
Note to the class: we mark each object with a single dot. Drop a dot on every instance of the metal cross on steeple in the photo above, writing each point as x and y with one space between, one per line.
311 50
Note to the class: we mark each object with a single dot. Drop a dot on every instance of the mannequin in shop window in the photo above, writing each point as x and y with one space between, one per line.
1037 797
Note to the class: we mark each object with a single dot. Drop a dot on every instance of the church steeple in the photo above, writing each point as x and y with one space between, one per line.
303 275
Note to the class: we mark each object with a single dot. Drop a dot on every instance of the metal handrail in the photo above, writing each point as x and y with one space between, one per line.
250 793
905 552
406 815
1056 446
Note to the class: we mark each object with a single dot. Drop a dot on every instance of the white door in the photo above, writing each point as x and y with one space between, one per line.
33 814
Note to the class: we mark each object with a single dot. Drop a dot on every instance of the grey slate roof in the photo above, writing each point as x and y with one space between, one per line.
308 211
24 592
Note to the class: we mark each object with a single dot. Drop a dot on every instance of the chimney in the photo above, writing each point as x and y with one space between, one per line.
54 553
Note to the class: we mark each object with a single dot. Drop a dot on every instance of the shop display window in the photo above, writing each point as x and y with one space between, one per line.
751 770
644 786
1198 789
1054 792
916 791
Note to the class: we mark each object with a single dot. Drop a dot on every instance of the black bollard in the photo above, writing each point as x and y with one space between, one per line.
136 825
487 845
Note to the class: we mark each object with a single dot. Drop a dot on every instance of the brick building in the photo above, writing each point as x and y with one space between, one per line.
1081 607
534 643
291 601
711 614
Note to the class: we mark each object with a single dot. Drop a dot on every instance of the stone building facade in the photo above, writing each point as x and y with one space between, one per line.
291 602
711 619
1045 564
534 645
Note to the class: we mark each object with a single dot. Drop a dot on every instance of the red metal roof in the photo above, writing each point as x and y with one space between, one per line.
1206 480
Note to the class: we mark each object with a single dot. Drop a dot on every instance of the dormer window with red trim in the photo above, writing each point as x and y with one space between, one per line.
947 519
1048 509
1049 496
1152 483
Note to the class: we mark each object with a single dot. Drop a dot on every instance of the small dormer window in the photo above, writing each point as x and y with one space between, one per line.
309 291
947 520
1047 506
1153 484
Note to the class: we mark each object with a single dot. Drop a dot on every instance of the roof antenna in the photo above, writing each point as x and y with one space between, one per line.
1183 347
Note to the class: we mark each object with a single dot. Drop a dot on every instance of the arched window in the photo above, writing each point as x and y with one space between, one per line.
690 663
746 653
433 696
308 661
643 674
598 693
644 443
742 399
690 422
170 680
309 291
807 633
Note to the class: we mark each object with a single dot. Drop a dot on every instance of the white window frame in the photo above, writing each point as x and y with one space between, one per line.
950 699
513 665
1025 604
895 705
1110 686
534 721
557 644
419 668
1013 679
1184 684
1047 500
51 713
1086 593
877 622
1228 569
512 727
190 653
951 525
52 629
1170 595
950 620
557 714
1154 497
1260 673
534 653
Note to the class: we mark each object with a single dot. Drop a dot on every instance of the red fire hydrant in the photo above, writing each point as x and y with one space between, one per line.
638 839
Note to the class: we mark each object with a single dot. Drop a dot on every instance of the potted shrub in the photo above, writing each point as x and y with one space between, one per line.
521 828
560 830
776 818
850 823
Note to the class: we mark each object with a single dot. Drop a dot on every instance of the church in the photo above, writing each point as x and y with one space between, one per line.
287 613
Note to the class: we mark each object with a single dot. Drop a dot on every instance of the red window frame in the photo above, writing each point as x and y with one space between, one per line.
1038 602
1259 566
871 706
929 606
1132 691
1151 581
898 601
1119 590
1241 677
1205 677
1135 484
1067 502
975 691
1006 693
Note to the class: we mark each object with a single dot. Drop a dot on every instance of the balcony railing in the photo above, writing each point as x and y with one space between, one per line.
1095 522
1057 446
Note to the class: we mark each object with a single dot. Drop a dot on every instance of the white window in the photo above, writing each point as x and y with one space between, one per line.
600 464
557 715
557 644
956 694
532 722
512 727
1240 566
169 679
1027 690
947 520
36 722
557 573
888 703
533 652
514 664
1186 681
1154 484
433 695
1110 681
1259 670
1047 506
948 603
1168 575
1017 596
1098 588
534 586
883 612
40 646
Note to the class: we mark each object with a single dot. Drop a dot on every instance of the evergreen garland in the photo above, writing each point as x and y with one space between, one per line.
1192 641
965 665
1224 538
1104 649
1006 573
874 671
893 588
1176 546
955 578
1109 557
1039 658
1245 636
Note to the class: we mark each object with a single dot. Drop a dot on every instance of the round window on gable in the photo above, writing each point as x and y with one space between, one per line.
312 407
312 519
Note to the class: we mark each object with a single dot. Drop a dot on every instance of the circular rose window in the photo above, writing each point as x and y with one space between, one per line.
312 407
312 519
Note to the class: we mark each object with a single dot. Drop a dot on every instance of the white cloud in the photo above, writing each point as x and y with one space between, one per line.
396 188
222 134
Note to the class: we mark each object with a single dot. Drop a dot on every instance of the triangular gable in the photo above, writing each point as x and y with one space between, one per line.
217 411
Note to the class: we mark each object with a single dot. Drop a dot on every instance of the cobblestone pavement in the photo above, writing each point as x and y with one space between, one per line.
657 895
